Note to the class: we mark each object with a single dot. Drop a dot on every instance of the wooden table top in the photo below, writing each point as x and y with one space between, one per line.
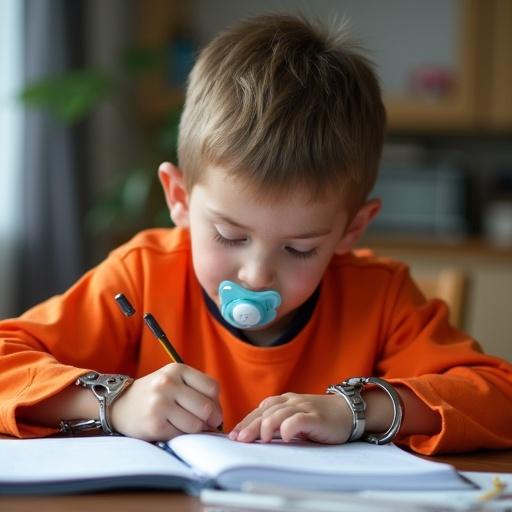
151 501
489 461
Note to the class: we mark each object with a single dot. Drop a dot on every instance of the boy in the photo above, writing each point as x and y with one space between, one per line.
258 287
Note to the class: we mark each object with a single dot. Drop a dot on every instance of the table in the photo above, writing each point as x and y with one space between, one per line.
151 501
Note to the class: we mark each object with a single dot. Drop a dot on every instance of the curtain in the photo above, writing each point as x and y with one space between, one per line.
52 253
11 135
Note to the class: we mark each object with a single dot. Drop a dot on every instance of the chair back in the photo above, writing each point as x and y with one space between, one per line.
449 285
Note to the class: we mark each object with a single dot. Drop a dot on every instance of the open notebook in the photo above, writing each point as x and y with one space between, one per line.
194 461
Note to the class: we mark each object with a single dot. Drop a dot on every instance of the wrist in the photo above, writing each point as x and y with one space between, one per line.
379 410
71 402
106 388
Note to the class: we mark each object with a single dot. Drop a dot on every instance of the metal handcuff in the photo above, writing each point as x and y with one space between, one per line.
106 388
350 390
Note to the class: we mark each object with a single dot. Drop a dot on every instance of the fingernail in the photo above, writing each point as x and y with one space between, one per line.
233 435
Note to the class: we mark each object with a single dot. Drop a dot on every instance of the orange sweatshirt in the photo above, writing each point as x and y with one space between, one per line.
370 319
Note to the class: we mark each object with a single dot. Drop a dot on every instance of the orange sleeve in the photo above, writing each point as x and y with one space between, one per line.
49 346
443 366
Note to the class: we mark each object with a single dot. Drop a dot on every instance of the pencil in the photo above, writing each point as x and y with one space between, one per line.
160 335
128 310
150 321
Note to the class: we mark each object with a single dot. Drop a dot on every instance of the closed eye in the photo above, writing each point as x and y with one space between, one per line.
301 254
229 242
236 242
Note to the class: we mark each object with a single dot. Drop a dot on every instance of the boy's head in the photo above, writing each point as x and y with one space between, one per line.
281 103
279 146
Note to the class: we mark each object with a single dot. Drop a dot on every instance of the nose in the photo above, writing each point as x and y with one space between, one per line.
256 274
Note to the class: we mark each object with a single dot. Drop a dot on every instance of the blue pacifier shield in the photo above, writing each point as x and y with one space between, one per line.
244 308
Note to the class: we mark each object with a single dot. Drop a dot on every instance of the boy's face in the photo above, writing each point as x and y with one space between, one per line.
260 244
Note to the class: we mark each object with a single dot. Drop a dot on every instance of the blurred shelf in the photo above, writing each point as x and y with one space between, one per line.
155 100
476 247
157 23
480 101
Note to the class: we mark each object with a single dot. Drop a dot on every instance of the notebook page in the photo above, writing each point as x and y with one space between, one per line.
76 458
305 465
214 453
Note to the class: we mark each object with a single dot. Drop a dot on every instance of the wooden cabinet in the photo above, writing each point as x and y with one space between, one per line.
481 97
500 84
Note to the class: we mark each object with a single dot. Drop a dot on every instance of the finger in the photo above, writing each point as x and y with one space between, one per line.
199 405
273 400
277 407
164 433
251 432
201 382
255 413
303 424
272 422
184 420
207 387
215 419
159 430
265 425
173 381
267 405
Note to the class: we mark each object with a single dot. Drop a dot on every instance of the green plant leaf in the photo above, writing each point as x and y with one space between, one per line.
69 96
162 218
135 191
168 135
138 61
104 216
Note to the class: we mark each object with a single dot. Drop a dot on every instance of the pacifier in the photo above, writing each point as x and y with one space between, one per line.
245 308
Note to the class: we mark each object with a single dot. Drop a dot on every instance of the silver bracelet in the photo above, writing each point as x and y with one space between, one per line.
106 388
350 390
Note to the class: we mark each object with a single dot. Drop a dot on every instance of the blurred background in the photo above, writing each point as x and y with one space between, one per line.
90 99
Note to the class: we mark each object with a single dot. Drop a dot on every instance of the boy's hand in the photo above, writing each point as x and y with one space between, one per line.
173 400
320 418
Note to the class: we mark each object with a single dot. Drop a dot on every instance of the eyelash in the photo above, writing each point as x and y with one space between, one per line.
302 255
228 241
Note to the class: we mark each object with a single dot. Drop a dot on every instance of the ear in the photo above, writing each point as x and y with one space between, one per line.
357 226
175 193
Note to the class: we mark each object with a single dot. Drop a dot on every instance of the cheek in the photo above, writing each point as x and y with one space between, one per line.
299 285
211 266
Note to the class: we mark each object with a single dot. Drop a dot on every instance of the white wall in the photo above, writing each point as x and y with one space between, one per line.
398 34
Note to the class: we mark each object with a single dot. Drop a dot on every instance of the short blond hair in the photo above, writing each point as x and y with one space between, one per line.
283 102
